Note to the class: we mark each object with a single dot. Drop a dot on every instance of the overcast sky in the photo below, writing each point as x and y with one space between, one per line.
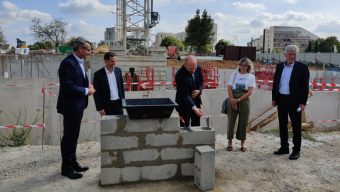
238 21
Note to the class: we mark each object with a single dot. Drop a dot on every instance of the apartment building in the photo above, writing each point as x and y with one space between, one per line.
109 37
276 38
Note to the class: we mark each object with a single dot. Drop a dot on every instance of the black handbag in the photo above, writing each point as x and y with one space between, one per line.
225 106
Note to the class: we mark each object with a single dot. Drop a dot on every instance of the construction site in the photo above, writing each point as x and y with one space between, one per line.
156 154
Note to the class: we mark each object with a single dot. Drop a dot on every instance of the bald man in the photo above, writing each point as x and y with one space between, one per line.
189 83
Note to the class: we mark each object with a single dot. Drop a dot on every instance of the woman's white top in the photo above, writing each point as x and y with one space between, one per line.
242 81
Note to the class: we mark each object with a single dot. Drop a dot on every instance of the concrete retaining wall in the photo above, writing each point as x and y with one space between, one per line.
325 58
26 102
46 66
148 149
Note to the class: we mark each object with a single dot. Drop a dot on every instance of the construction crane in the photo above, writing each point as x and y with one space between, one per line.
135 18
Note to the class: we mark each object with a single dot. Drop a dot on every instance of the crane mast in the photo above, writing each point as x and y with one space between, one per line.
134 20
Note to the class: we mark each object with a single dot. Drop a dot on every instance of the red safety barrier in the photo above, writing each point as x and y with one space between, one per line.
40 125
139 81
264 74
210 77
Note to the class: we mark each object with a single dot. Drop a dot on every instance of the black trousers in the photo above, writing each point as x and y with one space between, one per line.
114 108
190 116
287 106
70 138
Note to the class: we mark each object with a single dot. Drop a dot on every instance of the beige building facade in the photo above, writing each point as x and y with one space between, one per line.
276 38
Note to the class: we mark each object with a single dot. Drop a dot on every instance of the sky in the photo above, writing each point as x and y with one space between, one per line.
237 21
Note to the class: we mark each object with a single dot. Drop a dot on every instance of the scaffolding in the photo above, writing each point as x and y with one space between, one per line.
134 20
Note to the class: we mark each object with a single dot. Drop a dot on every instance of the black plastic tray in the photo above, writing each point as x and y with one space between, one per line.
149 108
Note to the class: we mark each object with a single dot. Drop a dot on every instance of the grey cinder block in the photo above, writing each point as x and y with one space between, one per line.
140 155
161 139
131 174
160 172
110 176
108 124
204 168
142 125
177 153
187 169
198 136
107 159
170 124
113 143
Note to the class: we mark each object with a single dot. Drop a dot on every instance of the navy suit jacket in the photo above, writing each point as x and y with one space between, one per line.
185 85
101 85
72 98
298 84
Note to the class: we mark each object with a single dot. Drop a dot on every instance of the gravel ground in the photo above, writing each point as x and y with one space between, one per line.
29 168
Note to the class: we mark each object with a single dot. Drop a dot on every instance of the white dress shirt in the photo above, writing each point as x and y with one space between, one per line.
285 78
111 77
81 64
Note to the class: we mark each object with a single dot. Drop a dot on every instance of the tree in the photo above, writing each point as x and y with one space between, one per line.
328 44
41 45
225 42
199 32
71 41
172 41
323 45
2 37
54 31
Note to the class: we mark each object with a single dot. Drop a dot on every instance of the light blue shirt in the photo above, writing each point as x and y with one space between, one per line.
285 78
81 64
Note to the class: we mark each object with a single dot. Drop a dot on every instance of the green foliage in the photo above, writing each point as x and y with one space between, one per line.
323 45
41 45
18 136
221 45
200 32
172 41
71 41
2 37
225 42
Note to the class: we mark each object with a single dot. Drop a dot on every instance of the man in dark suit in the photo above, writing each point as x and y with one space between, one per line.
189 84
108 82
289 94
72 100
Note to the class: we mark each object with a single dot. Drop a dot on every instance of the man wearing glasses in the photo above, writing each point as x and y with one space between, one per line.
72 100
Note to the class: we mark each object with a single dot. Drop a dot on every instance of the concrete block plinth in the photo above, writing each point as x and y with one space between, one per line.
198 136
160 172
204 168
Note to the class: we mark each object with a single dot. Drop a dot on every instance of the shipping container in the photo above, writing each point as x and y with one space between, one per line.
237 52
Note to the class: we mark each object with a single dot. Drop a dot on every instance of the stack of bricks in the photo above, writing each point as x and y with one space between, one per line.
148 149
